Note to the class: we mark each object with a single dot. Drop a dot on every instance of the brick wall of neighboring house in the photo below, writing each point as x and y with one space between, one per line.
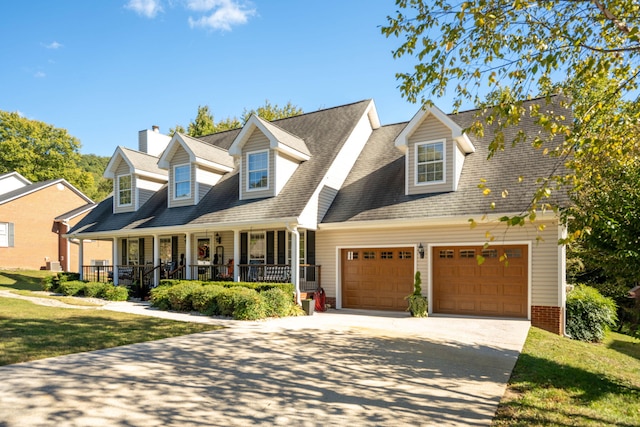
547 318
35 239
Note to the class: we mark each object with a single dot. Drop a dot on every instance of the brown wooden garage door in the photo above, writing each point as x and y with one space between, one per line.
493 288
377 279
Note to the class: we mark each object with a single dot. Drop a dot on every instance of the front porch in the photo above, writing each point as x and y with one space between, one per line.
148 276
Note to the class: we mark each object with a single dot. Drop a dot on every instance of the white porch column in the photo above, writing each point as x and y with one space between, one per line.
80 258
156 259
187 257
295 259
115 260
236 255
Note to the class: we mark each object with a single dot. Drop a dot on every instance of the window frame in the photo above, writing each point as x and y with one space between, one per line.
443 161
250 171
8 240
176 182
119 193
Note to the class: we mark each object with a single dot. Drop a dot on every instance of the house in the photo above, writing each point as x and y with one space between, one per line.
34 219
335 199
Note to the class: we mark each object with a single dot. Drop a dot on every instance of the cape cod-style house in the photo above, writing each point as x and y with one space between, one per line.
332 198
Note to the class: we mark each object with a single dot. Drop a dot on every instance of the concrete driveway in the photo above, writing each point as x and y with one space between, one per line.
342 368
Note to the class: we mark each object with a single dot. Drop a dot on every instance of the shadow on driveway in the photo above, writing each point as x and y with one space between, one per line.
265 375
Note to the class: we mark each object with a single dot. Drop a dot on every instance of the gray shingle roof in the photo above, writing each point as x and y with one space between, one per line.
324 133
143 161
286 138
375 187
206 151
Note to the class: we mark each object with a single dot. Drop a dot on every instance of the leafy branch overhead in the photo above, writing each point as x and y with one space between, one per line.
495 54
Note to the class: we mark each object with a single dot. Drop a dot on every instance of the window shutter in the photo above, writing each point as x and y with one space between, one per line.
141 259
244 248
270 247
11 235
282 247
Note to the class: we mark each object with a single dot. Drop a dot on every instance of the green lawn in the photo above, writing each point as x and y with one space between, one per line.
29 331
562 382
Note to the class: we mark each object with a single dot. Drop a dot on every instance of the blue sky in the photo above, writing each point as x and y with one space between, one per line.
104 70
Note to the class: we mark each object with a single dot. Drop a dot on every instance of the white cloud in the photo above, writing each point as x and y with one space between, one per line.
224 13
39 74
148 8
53 45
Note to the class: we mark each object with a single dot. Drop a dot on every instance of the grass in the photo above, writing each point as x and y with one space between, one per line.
30 332
562 382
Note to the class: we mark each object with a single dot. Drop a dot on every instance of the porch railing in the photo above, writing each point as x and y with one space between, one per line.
310 275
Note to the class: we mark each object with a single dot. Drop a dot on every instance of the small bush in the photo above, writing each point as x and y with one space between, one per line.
73 288
68 277
95 289
47 283
204 299
248 305
277 303
115 293
589 314
160 297
180 295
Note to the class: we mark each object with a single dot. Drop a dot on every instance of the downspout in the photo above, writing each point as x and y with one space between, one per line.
295 259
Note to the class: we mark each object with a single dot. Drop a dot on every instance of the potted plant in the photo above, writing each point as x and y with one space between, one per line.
418 304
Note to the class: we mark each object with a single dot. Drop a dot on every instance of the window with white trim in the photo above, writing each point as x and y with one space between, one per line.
182 181
6 234
258 170
124 190
430 158
257 248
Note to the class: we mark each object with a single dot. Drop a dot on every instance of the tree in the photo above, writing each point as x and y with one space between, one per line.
40 151
96 166
495 54
271 112
204 123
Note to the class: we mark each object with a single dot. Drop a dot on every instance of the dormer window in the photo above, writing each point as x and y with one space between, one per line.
182 181
124 190
430 159
258 170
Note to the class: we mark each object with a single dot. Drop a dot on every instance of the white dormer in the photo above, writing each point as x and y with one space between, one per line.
136 177
268 156
434 147
194 167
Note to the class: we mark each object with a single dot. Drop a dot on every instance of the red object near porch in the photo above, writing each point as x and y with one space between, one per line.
320 299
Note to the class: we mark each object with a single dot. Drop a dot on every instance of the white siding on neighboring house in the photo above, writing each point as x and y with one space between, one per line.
145 189
205 179
545 261
430 130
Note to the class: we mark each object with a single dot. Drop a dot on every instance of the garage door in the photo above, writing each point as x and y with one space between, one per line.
493 288
377 279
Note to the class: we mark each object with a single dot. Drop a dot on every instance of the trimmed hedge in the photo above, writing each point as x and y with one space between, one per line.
242 301
589 314
88 289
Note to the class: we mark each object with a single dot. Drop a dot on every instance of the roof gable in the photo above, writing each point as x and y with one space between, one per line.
32 188
279 139
457 133
139 163
12 181
200 153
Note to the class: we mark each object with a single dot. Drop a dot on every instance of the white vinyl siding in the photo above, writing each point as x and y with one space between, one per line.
544 284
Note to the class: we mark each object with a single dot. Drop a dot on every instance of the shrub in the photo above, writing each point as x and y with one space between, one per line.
277 303
589 314
47 283
180 295
160 297
95 289
72 288
418 305
204 299
115 293
248 305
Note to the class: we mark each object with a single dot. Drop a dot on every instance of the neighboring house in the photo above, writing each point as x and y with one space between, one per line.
33 220
333 198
